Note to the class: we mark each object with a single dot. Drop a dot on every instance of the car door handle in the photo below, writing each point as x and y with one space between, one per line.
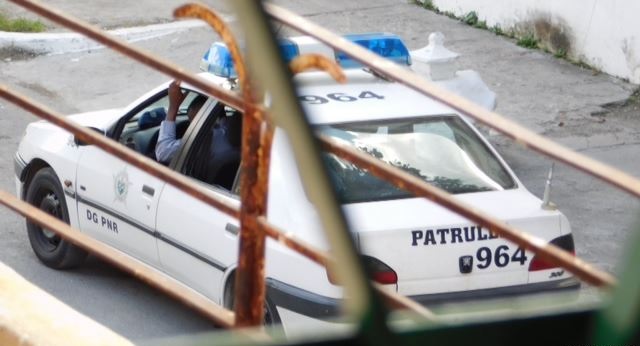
233 229
148 190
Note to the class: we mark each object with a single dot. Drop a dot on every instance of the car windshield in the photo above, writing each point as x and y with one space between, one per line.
443 151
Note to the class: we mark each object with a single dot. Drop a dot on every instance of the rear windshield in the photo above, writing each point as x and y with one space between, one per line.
442 151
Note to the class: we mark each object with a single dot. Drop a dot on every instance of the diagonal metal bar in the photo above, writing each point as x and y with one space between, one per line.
157 170
161 172
503 125
217 314
406 181
153 61
123 47
393 299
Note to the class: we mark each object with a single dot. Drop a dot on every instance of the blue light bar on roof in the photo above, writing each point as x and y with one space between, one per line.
217 59
386 45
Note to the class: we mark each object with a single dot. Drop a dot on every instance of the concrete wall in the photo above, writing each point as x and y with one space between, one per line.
602 33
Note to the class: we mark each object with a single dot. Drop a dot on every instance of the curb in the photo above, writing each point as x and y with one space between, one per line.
60 43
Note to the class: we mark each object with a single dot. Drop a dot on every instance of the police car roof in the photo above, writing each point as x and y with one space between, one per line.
363 97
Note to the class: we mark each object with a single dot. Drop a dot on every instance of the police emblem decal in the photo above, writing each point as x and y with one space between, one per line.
121 185
466 264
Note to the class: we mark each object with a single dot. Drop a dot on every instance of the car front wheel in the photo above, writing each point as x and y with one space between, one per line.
45 193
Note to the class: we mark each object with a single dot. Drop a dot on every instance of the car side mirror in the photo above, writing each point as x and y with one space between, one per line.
79 142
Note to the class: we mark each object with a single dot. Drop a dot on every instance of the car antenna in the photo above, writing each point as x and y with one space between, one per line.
546 203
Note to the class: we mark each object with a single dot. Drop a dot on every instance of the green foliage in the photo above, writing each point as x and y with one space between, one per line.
428 4
560 53
496 29
471 18
528 41
481 24
450 14
20 25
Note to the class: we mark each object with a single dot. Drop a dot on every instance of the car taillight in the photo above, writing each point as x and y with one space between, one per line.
380 272
564 242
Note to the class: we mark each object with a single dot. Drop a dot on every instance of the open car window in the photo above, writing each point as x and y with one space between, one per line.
140 129
214 156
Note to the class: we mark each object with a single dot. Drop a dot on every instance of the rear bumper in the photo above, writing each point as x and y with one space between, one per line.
509 291
324 308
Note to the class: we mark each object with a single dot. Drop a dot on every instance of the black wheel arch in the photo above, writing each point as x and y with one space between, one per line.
29 172
227 297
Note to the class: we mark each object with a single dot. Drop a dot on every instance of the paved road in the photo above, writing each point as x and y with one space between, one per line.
548 95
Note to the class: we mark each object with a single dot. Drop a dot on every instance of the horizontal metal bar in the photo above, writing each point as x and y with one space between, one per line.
406 181
217 314
501 124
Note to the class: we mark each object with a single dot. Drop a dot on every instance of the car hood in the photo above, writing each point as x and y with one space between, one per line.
99 119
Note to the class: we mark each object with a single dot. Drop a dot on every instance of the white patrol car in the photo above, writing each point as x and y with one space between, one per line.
414 246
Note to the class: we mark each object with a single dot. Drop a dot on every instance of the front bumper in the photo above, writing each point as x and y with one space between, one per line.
324 308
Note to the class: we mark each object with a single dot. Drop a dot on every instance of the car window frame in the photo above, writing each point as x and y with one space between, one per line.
201 122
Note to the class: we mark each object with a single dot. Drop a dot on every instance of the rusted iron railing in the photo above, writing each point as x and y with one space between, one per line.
256 214
138 160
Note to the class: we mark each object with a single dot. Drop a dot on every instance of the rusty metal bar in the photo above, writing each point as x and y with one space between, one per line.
287 114
287 239
136 159
86 135
130 51
219 315
250 284
503 125
157 170
406 181
320 62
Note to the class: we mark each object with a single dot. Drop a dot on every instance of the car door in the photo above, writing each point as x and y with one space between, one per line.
117 202
196 242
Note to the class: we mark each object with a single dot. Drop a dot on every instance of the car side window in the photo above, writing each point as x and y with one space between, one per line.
140 131
214 157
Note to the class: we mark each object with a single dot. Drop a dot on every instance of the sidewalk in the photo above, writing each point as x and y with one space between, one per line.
142 20
107 14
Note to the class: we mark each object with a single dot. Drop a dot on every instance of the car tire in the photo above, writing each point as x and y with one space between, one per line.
45 193
271 317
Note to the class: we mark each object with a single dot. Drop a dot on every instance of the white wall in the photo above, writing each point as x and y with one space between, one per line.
602 33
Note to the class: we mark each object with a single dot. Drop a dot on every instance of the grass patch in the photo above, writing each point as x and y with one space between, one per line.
481 24
496 29
20 24
471 18
560 53
528 41
428 4
450 14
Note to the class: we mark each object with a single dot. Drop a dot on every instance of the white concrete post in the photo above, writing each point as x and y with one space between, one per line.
435 60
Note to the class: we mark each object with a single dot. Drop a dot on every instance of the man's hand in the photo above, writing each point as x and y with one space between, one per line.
176 96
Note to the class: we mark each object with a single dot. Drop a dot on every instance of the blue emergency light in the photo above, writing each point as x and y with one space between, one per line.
217 59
